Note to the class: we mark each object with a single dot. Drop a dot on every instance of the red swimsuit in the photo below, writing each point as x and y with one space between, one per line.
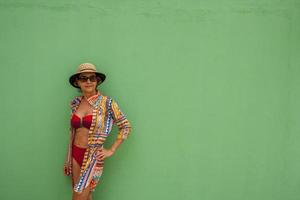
86 121
78 152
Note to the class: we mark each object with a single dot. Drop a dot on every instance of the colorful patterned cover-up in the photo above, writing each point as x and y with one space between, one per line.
106 112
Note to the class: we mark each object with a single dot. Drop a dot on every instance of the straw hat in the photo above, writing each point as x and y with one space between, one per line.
85 67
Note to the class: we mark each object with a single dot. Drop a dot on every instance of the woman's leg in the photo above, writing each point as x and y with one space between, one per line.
90 196
84 195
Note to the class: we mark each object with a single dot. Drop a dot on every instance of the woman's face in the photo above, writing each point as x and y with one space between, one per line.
87 82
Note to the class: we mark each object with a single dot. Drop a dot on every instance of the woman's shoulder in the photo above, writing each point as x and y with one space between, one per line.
75 101
107 97
109 100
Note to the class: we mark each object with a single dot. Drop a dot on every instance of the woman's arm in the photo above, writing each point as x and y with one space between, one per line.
67 163
124 128
109 152
68 159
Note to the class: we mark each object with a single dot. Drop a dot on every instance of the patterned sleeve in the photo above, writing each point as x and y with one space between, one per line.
120 120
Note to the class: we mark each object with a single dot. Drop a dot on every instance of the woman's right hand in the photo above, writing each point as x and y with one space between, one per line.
67 170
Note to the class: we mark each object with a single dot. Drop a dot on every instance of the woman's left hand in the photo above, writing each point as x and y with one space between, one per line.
107 153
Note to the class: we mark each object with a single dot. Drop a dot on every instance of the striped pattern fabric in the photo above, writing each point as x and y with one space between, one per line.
106 112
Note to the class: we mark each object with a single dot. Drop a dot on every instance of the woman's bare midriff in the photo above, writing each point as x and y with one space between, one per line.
81 137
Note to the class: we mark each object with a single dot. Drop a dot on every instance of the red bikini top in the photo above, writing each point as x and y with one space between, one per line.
86 121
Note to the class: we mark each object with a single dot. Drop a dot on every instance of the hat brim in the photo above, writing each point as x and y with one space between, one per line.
72 78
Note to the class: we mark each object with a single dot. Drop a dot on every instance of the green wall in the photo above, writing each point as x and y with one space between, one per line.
210 87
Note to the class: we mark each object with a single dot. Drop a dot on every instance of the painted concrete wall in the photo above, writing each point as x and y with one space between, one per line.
210 87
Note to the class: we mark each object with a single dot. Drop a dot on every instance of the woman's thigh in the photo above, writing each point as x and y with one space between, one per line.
76 173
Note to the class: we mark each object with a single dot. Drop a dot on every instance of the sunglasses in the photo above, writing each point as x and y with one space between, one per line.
86 78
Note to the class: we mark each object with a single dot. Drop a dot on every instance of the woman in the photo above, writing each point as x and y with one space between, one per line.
92 117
